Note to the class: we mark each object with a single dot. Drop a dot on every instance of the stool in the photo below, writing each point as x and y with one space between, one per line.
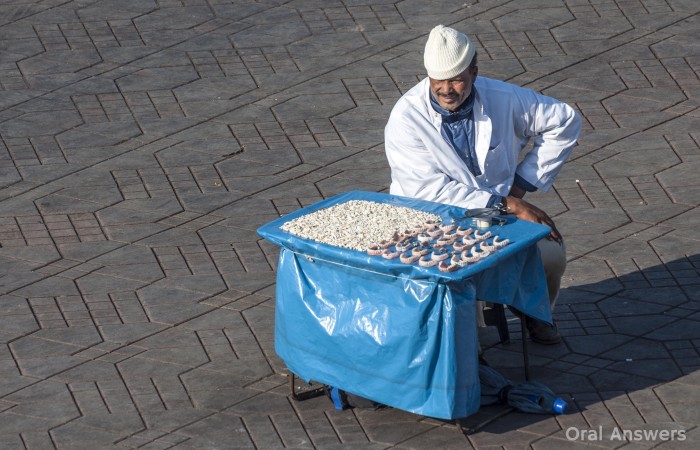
495 314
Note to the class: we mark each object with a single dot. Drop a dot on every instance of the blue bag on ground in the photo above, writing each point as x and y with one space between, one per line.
344 400
529 397
534 397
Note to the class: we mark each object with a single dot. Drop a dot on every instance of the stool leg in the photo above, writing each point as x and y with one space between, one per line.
526 358
501 323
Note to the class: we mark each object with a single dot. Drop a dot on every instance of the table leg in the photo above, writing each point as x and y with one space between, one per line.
303 395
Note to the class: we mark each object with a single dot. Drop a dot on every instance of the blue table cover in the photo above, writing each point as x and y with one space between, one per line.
397 333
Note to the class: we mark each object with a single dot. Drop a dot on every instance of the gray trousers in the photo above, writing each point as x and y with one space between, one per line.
554 261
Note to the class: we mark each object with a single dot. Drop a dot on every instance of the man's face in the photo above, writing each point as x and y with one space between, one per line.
453 92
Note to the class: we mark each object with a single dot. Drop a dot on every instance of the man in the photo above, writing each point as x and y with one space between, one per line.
456 138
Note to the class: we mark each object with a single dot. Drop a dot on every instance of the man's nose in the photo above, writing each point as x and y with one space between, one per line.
445 87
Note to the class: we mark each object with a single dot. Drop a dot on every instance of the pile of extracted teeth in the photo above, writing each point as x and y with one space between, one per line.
447 246
358 224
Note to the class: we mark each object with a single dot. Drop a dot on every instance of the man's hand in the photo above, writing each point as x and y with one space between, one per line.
527 211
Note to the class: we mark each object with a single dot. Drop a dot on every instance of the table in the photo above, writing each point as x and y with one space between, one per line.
399 334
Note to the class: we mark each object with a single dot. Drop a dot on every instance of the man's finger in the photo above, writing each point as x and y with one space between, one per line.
555 233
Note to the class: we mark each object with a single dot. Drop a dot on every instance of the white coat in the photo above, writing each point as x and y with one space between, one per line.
424 165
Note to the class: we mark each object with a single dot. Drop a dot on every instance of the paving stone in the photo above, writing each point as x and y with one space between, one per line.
593 345
73 435
639 325
98 135
47 366
96 282
76 336
14 424
591 221
661 369
607 379
681 329
54 285
589 274
620 307
129 332
218 399
206 203
131 233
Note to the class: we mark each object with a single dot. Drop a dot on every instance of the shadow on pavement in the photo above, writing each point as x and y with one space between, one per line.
629 341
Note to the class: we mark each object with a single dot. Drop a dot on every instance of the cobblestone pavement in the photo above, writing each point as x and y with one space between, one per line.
143 143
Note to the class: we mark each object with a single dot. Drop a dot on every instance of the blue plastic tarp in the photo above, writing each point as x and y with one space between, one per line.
399 334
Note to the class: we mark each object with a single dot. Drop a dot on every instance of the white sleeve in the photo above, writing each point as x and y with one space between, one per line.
555 127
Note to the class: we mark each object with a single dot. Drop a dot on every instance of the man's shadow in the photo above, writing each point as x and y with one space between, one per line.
622 337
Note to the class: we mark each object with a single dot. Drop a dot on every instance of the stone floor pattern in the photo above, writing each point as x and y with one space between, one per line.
144 142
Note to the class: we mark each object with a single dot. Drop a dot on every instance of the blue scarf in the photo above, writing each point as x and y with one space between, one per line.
458 128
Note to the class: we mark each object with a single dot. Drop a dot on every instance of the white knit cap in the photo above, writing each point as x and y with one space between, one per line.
447 53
